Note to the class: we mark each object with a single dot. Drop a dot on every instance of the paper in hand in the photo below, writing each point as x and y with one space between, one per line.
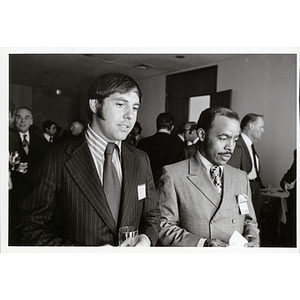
237 240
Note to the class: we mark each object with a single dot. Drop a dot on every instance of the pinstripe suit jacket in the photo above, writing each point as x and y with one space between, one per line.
191 209
69 206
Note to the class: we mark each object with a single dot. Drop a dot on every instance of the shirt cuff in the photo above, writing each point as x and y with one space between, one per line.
201 242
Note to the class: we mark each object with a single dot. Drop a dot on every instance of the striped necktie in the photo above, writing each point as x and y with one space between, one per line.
25 144
215 173
111 183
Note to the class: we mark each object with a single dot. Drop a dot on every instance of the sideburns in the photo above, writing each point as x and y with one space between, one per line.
100 112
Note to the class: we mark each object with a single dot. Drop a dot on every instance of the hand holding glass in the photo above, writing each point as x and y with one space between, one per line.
14 159
128 236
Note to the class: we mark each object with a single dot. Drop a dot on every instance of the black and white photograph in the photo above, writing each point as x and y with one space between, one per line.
149 150
203 150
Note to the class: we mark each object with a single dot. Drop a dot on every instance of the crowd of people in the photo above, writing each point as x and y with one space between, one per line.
195 188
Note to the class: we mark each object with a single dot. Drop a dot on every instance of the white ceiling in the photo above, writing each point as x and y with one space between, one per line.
73 73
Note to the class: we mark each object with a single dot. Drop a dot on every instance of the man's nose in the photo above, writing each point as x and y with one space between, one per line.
129 114
230 144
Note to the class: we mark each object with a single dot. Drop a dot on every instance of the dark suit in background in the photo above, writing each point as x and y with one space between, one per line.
290 177
162 149
241 159
23 183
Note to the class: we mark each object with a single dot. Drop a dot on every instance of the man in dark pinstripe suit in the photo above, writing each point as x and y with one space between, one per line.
69 206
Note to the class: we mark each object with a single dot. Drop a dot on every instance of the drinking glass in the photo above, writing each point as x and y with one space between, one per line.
15 160
129 233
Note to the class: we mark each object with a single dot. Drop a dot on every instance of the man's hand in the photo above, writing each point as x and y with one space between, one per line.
140 241
214 243
22 168
252 241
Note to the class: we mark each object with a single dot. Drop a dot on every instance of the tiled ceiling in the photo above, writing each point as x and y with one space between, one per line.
72 73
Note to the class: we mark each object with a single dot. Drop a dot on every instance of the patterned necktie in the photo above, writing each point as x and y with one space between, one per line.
111 183
51 139
25 144
215 173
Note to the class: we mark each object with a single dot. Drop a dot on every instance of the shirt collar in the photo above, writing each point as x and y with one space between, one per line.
207 164
97 143
47 136
24 133
246 139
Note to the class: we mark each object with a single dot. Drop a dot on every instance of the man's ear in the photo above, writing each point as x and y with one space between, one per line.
94 104
201 134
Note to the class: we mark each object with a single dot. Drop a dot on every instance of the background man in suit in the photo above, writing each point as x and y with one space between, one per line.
203 200
135 136
190 133
74 204
289 184
245 157
30 146
78 126
181 133
162 148
49 128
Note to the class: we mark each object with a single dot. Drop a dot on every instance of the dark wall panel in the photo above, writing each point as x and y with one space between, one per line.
180 87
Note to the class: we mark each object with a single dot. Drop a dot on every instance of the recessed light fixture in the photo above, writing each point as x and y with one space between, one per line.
144 66
179 56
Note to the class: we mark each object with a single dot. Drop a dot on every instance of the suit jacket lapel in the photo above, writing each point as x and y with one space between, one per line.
199 177
246 151
130 183
83 171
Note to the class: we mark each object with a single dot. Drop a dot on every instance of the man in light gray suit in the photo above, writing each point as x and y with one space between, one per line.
202 200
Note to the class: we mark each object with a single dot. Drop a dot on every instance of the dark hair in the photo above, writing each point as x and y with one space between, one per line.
105 85
249 118
165 120
208 116
181 128
82 122
193 127
48 124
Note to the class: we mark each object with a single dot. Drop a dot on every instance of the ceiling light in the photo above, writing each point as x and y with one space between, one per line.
144 66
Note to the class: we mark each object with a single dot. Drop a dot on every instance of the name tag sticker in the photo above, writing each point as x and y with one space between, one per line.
243 205
244 208
141 191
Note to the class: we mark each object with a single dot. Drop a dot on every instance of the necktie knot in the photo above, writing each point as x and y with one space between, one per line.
110 149
215 173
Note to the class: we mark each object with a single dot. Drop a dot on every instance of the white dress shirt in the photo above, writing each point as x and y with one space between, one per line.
26 134
97 147
252 175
